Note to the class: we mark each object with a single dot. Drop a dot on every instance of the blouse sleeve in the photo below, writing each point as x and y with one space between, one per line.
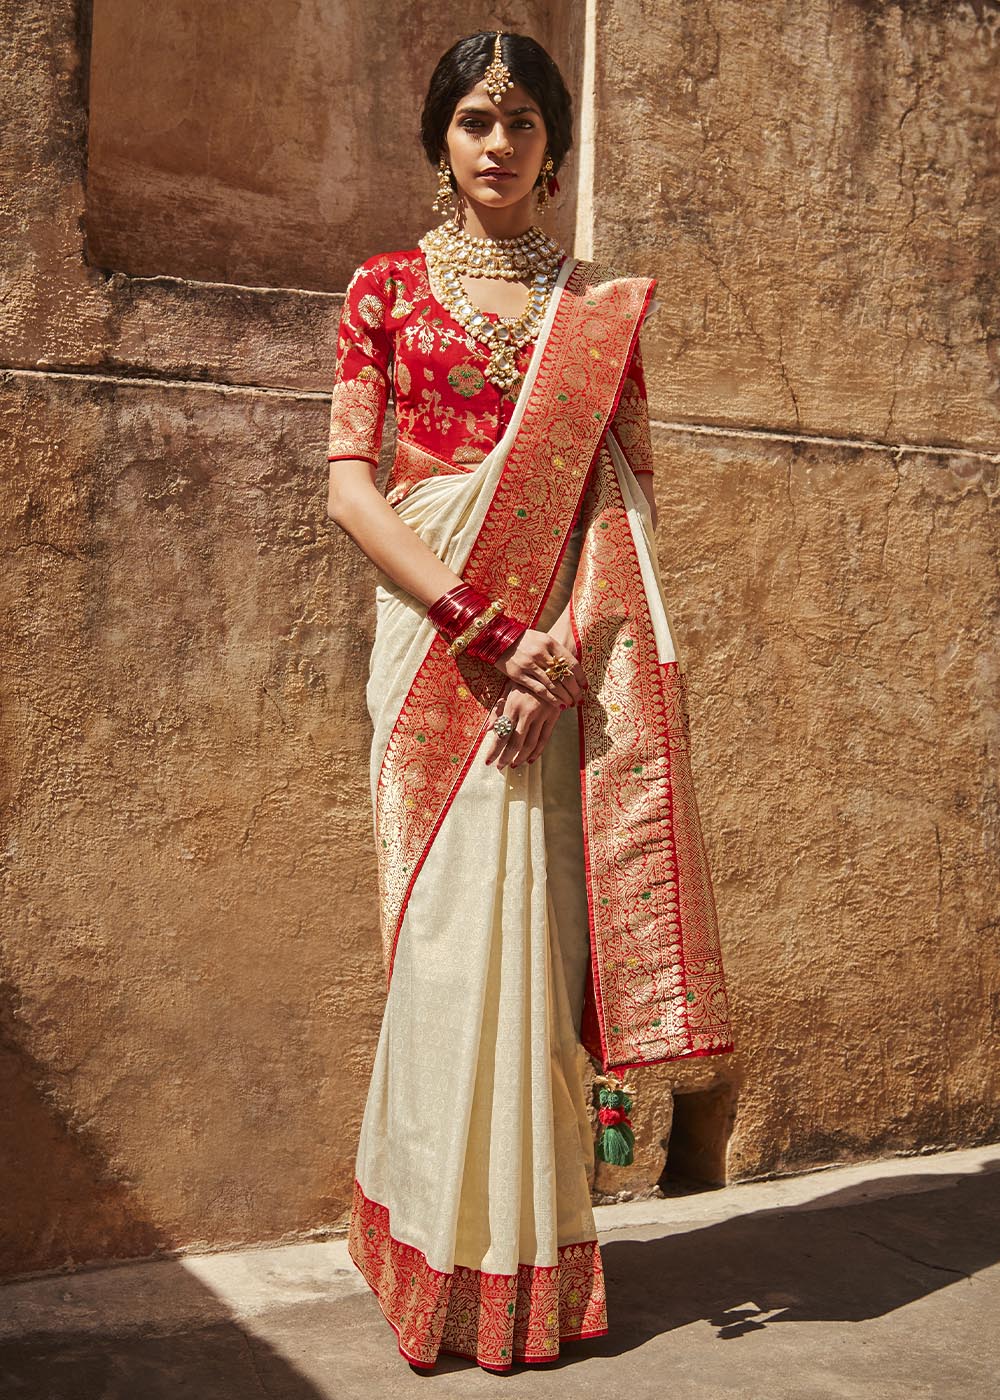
630 424
361 387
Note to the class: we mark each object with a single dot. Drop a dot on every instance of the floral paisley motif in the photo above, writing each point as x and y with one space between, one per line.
371 310
394 328
466 379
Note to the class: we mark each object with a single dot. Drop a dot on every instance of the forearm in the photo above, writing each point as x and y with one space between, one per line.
363 513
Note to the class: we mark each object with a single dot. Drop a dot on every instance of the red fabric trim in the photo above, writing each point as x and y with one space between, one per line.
671 1059
656 988
352 457
493 1319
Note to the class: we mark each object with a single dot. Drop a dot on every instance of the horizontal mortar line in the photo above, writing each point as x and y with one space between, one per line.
152 380
166 277
824 439
323 396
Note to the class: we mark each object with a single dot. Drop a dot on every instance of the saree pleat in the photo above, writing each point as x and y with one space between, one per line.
472 1219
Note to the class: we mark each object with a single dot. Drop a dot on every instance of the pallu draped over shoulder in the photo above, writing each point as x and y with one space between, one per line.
532 915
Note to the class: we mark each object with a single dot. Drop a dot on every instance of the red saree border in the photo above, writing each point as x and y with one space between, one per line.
493 1319
582 368
656 989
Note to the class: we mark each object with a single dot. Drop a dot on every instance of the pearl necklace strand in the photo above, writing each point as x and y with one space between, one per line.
451 252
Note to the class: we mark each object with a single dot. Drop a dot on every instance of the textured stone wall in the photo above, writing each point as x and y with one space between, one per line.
190 981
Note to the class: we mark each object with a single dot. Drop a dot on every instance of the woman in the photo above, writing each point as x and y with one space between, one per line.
542 878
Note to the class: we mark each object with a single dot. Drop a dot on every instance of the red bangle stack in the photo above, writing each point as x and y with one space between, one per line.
453 612
496 637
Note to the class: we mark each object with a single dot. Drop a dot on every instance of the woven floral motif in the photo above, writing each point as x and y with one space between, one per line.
413 464
657 990
357 415
467 379
393 327
631 422
495 1319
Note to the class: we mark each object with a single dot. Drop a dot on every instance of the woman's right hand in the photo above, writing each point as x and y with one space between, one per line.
525 665
533 720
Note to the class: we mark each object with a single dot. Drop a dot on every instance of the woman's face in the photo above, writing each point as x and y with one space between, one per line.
509 137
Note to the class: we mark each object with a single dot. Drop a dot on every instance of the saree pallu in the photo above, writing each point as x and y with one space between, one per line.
530 915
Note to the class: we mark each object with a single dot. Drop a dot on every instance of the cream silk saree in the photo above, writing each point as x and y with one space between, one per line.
531 915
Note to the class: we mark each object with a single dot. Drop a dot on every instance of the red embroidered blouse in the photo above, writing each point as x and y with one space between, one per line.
395 336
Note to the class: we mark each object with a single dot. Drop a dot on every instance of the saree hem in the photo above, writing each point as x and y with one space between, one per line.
492 1319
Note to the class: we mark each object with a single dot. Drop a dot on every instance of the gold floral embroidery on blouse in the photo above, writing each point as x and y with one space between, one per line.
435 415
372 311
357 416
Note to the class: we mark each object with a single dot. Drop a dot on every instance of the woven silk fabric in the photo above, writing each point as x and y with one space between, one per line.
471 1218
396 340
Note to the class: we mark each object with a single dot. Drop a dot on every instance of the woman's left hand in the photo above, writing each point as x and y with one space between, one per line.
533 719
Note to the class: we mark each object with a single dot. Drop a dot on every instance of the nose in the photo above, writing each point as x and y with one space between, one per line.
499 141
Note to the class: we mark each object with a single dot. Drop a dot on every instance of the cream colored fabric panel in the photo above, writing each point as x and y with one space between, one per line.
479 1037
475 1133
641 523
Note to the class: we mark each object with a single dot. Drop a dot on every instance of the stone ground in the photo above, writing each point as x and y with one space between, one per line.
879 1280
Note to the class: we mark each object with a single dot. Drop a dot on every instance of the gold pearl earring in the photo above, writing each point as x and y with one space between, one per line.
445 194
548 183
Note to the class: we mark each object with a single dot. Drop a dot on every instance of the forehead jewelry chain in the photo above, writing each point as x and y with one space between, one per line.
497 78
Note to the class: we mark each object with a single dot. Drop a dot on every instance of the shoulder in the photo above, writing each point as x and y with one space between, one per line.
401 264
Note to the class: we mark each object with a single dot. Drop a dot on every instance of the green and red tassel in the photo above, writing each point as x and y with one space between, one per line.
616 1143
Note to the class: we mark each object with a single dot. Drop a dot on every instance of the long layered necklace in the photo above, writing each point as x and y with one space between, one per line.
452 253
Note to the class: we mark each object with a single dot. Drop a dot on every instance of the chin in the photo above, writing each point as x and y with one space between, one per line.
496 197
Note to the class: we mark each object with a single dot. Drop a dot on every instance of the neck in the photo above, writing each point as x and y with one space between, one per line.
481 221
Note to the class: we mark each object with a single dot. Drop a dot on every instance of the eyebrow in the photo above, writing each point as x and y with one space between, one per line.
485 112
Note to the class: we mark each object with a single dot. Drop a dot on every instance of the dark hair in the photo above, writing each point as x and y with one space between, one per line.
460 69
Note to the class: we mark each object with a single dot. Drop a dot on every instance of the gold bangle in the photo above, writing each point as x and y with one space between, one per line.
476 626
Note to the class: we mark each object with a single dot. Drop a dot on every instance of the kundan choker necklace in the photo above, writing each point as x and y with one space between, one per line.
452 253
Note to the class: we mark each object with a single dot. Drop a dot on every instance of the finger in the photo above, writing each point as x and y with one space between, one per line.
527 717
576 678
542 688
543 738
559 691
527 741
516 742
562 691
495 742
508 746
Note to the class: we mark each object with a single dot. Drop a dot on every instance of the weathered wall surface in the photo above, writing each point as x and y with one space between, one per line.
191 986
275 144
817 188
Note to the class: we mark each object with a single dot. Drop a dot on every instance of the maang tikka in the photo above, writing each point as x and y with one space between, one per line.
497 80
497 77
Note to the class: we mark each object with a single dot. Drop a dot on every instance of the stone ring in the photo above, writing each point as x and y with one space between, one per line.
504 727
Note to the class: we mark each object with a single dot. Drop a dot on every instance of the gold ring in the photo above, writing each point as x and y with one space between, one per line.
558 668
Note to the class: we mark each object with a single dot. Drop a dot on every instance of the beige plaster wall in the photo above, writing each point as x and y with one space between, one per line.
190 984
276 144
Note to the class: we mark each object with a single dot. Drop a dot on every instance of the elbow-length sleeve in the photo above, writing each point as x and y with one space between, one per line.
361 387
630 424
